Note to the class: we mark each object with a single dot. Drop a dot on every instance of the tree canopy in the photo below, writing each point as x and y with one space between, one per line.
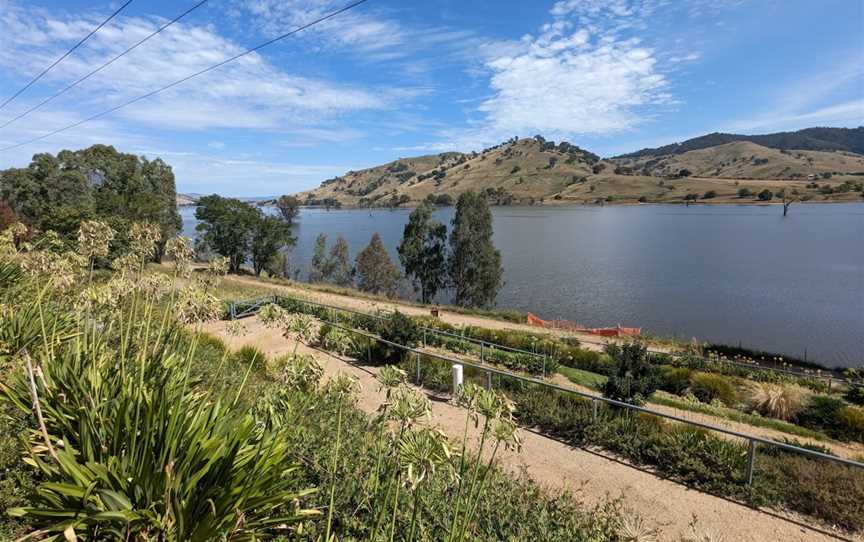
59 192
237 230
423 252
289 208
475 264
376 273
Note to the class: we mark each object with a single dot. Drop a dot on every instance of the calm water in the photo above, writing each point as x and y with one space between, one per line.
722 273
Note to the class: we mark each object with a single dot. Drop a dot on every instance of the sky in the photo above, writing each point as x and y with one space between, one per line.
391 79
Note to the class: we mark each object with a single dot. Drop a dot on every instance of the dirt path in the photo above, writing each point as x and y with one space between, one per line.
592 342
847 450
594 475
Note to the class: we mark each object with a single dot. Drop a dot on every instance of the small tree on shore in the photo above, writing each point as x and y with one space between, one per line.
226 226
423 252
289 208
319 271
269 236
376 273
340 270
475 264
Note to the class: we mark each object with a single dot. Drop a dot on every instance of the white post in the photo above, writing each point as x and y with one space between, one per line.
457 377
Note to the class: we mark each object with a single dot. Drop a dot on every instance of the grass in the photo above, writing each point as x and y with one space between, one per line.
670 400
583 378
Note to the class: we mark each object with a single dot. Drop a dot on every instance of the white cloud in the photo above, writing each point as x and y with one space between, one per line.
845 114
248 93
578 76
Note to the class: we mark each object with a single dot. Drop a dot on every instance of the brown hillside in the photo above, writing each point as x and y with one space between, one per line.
745 160
530 171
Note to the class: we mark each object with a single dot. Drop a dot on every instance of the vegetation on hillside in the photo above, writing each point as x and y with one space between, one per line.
814 139
134 426
536 171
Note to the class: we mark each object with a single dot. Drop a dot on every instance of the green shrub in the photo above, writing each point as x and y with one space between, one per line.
823 489
674 379
401 329
820 412
251 356
709 387
634 378
855 394
850 423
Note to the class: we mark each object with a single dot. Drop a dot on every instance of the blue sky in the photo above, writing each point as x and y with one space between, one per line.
394 78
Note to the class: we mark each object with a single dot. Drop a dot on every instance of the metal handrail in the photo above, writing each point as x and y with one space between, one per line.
600 398
828 377
490 370
422 328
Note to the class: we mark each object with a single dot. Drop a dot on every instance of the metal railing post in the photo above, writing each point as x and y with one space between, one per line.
751 461
488 380
594 409
417 356
481 353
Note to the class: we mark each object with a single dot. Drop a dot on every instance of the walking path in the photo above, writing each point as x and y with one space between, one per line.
595 475
850 450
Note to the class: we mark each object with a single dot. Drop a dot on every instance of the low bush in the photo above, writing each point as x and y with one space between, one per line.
850 423
855 394
709 387
634 378
820 412
674 379
250 356
401 329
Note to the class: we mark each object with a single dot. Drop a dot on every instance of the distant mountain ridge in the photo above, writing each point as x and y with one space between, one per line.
810 139
528 171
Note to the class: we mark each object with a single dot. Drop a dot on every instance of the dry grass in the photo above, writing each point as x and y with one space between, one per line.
522 170
778 401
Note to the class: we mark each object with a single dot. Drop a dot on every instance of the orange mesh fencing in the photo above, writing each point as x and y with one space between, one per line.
617 331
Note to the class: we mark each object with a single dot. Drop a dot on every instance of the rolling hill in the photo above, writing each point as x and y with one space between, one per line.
532 171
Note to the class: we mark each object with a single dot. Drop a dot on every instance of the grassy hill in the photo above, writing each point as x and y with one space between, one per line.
814 139
536 171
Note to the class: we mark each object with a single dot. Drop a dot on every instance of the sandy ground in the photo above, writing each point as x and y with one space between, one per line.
594 474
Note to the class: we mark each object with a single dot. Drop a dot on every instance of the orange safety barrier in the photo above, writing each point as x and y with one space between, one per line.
617 331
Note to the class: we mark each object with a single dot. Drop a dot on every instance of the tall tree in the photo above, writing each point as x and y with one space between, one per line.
376 273
289 208
340 270
270 235
319 271
59 192
475 264
227 226
423 252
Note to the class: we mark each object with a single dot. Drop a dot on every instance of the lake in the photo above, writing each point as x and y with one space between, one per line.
724 273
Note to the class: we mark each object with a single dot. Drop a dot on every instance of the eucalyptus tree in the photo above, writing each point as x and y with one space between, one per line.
423 252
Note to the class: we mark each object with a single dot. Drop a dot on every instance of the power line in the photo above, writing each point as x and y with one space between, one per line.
188 77
67 53
103 66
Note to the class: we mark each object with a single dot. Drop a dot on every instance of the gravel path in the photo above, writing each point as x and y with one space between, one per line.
847 450
595 475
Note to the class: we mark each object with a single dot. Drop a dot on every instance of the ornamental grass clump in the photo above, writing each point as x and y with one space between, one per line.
776 400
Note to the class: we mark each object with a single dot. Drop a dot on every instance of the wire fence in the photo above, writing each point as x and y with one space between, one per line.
829 378
752 440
